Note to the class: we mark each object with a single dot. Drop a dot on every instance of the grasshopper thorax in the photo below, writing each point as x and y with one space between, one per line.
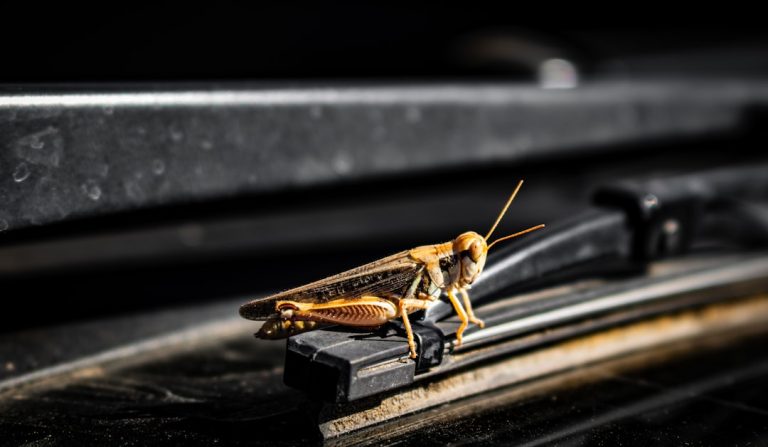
471 249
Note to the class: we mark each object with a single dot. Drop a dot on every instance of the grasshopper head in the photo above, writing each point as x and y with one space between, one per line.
472 251
472 248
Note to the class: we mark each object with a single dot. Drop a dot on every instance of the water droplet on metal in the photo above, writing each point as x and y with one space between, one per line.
176 135
158 166
92 190
41 148
21 173
94 193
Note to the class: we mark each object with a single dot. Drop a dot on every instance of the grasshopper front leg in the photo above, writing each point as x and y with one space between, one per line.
468 308
461 313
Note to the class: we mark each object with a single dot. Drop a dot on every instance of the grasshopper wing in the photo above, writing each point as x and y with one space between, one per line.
389 276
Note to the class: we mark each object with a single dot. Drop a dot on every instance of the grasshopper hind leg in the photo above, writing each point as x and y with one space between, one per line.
295 317
364 312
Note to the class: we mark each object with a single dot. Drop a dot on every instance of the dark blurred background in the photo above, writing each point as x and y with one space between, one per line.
347 41
176 246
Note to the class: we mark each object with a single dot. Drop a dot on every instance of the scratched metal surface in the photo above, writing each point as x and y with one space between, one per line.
90 151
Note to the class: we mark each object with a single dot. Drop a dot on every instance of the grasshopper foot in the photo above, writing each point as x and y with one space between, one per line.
480 323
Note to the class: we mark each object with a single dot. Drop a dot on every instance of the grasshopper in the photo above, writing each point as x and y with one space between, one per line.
393 287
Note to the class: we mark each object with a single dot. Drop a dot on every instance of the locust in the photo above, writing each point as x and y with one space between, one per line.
393 287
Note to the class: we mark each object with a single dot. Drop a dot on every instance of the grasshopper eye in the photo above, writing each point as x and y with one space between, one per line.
476 251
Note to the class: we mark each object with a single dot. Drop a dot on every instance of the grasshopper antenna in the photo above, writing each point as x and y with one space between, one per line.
519 233
504 210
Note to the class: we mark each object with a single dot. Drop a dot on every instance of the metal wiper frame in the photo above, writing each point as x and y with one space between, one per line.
632 223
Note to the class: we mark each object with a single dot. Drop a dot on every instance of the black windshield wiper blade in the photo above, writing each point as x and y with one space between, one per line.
338 355
635 223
